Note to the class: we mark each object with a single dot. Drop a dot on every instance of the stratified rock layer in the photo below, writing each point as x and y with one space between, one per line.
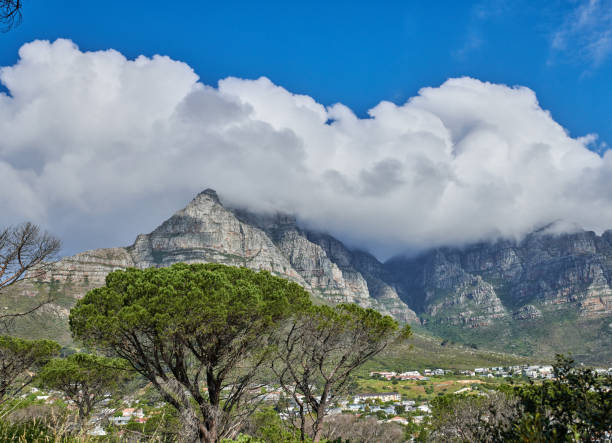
544 294
206 231
482 281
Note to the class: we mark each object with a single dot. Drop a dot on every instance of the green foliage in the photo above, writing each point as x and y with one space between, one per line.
201 326
322 347
36 350
30 431
483 418
17 356
270 428
84 378
209 300
243 438
164 425
575 406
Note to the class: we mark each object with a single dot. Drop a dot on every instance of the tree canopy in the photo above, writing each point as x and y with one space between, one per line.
84 378
575 406
321 347
18 358
198 332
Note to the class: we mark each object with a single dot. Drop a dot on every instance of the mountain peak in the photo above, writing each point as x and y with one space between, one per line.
210 194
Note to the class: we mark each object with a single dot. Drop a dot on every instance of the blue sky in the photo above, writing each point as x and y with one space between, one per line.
358 52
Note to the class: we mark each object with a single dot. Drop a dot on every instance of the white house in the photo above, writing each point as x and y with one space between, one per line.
384 396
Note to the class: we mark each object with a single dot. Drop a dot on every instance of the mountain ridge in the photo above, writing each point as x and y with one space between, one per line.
206 231
523 296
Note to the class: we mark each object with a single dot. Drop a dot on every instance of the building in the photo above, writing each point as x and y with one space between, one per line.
424 408
385 396
410 375
120 421
398 419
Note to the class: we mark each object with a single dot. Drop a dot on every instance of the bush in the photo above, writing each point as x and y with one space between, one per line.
31 431
575 406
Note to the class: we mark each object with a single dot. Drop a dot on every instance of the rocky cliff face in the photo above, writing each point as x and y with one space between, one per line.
544 294
494 280
206 231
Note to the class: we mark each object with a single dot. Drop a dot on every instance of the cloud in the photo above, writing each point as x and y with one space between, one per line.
586 33
98 148
480 13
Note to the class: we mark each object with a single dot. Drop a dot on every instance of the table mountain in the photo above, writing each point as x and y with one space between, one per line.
206 231
544 294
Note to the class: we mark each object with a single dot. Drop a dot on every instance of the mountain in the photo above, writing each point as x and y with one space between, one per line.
538 296
206 231
544 294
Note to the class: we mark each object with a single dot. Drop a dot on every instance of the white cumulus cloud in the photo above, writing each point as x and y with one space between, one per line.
97 148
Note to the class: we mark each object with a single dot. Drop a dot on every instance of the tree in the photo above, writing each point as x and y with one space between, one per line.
24 251
575 406
200 334
482 418
353 429
267 426
84 378
18 358
321 348
10 14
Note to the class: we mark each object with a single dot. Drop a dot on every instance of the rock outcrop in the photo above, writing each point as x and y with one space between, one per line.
568 271
206 231
523 296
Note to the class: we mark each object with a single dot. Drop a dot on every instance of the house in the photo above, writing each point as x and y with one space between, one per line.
120 421
385 396
410 375
398 419
546 370
97 431
424 408
384 374
272 396
389 410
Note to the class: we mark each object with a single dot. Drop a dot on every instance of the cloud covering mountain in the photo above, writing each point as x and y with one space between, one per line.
97 147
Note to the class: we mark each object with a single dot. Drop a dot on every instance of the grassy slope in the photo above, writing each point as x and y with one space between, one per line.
426 351
563 331
426 390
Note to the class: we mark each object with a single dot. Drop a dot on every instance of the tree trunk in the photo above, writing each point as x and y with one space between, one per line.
207 435
302 423
317 427
190 432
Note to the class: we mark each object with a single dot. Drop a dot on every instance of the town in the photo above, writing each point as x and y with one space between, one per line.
411 405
